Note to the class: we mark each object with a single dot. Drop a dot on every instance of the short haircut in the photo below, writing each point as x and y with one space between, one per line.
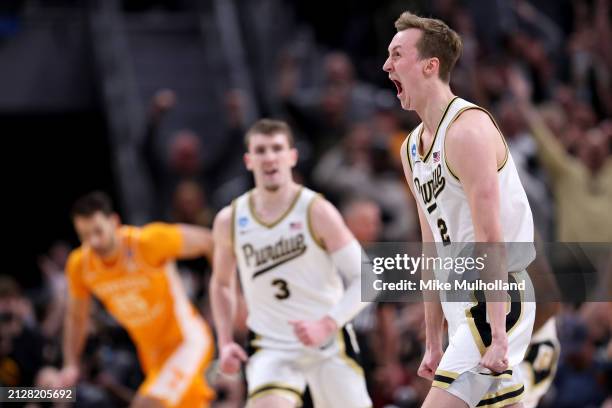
437 40
269 127
89 204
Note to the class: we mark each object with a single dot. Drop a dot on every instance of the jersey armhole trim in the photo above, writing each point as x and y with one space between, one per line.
502 165
408 149
316 239
233 227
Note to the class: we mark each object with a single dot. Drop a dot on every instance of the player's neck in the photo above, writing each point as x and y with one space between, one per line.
111 256
431 108
278 199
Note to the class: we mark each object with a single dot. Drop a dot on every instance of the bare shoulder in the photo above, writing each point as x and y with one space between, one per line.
222 226
328 225
472 125
322 211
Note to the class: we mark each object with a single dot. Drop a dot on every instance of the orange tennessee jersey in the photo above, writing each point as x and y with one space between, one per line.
140 288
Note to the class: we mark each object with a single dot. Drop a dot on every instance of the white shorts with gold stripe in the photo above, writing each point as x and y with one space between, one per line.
483 391
469 331
332 373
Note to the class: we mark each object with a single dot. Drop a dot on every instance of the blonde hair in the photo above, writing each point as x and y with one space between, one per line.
437 40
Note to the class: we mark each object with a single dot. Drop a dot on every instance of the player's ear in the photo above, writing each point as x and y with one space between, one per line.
431 67
247 161
293 156
115 219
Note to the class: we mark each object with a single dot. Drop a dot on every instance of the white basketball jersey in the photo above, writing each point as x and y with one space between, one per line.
285 273
443 200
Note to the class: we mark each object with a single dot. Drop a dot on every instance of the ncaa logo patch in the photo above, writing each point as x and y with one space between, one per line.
413 150
243 221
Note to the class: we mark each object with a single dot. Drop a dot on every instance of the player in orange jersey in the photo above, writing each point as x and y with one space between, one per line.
132 272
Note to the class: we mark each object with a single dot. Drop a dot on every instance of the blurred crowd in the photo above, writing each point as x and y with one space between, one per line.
545 77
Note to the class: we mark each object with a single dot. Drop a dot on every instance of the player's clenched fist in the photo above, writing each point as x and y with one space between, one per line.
496 356
315 333
232 355
430 363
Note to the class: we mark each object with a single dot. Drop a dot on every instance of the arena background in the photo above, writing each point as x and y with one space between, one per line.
148 100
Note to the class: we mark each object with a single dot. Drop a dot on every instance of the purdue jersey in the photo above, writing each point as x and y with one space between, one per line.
444 203
285 272
442 198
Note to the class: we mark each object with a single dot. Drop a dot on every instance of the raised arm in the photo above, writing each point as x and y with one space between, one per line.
552 153
223 292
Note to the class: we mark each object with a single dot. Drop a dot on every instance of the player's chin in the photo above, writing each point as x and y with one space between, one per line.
272 186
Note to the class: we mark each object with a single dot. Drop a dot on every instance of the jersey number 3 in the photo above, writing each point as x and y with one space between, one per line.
283 289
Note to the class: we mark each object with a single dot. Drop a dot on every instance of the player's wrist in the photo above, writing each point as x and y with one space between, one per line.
330 324
500 337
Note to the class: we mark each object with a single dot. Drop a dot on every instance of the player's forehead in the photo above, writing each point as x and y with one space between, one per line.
404 40
260 140
87 221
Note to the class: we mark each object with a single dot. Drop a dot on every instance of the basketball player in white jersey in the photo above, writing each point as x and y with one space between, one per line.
467 188
293 252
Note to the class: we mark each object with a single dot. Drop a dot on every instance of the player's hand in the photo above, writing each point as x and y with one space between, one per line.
231 356
314 334
496 355
430 363
68 376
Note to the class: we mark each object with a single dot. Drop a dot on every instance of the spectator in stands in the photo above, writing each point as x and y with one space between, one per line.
582 185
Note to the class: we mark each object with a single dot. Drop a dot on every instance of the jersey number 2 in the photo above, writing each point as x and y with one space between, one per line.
443 231
283 289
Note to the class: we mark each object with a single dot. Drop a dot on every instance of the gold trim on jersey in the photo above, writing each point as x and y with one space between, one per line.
408 149
351 362
278 388
502 165
233 232
433 141
502 398
316 239
279 219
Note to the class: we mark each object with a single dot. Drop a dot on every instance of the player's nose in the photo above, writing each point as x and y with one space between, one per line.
387 66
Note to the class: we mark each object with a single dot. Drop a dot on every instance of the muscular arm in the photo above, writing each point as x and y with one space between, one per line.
223 280
329 227
197 241
434 317
75 330
474 149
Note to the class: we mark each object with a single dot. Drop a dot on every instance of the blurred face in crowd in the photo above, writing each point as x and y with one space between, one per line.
270 158
185 156
98 231
593 150
405 66
364 220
